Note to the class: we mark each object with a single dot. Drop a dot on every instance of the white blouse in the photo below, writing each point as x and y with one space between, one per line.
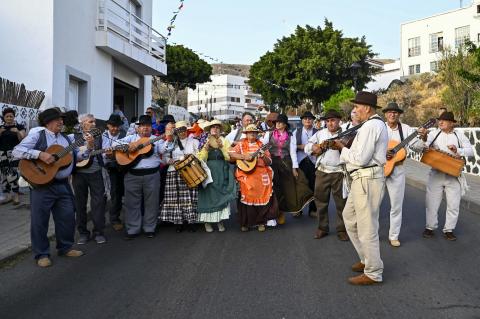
190 146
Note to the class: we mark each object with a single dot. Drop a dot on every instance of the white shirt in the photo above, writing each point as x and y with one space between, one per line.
190 146
369 146
231 136
394 134
329 159
147 162
464 148
292 151
108 140
25 150
306 135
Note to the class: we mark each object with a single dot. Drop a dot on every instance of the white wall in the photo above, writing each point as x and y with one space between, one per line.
444 22
382 80
26 32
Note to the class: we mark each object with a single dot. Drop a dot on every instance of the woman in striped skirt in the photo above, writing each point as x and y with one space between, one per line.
179 205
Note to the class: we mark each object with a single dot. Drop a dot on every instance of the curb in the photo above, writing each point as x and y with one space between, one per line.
465 204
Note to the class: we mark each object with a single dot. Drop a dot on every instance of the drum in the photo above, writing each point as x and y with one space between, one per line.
191 170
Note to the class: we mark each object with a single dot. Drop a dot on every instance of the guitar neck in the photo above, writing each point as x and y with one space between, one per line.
403 143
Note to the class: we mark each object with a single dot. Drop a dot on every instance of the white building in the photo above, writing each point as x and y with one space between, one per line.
224 97
86 55
423 40
389 71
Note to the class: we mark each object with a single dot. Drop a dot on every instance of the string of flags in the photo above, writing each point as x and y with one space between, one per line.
172 20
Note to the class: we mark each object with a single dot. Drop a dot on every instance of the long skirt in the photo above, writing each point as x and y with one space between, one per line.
214 200
8 172
253 215
293 194
180 202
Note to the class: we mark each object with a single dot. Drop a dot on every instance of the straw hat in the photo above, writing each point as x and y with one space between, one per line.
180 124
207 125
202 123
251 128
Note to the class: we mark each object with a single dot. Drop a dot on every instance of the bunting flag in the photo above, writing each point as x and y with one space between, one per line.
172 21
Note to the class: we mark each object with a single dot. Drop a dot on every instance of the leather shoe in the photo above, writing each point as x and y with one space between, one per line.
395 242
343 236
362 280
450 236
427 233
44 262
244 228
117 227
320 234
281 218
358 267
73 253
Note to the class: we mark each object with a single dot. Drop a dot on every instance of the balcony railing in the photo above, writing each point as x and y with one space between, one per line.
114 17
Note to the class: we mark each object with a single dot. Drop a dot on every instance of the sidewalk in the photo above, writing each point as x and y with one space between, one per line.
417 176
15 220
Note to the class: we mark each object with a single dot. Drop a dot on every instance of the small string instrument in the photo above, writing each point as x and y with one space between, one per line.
248 166
39 173
87 162
398 149
346 137
142 148
214 141
443 161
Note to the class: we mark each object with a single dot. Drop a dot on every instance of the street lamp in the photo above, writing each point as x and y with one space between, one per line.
354 70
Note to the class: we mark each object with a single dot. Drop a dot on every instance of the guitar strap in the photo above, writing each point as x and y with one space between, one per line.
41 144
400 131
436 136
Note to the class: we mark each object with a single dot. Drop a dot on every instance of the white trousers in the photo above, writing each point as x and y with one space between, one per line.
361 220
439 182
396 191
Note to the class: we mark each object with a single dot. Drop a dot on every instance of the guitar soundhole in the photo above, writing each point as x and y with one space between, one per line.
56 157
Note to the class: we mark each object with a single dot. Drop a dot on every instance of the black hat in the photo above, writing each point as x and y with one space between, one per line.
144 120
392 106
366 98
115 120
282 118
49 115
447 116
168 118
307 114
330 114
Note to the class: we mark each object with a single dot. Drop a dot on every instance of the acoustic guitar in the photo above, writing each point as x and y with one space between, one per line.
249 166
346 137
142 148
38 173
87 162
399 151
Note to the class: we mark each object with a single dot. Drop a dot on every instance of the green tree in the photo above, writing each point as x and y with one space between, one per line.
309 66
184 70
337 100
460 71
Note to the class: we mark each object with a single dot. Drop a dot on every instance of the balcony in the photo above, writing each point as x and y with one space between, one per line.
129 39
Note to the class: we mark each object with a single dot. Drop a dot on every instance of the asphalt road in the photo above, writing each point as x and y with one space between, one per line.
282 273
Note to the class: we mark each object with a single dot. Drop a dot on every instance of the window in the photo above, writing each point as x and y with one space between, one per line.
248 101
214 100
413 69
434 66
478 8
238 99
414 47
462 34
436 42
232 99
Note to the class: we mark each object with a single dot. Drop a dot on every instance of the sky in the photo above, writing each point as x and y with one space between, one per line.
241 31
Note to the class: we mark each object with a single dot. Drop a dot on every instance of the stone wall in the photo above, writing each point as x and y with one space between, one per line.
26 116
473 163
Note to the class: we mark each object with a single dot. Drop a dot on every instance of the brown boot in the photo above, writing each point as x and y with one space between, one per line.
44 262
320 234
362 280
343 236
73 253
358 267
281 218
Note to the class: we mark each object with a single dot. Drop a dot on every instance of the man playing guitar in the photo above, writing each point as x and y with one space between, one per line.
55 197
395 182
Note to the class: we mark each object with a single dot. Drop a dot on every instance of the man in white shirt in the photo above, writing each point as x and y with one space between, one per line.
352 121
364 161
306 162
142 182
329 176
236 135
448 140
395 182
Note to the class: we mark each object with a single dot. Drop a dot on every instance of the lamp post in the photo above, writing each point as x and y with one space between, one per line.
354 69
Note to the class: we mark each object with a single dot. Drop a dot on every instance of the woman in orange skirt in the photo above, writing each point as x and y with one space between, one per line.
256 204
